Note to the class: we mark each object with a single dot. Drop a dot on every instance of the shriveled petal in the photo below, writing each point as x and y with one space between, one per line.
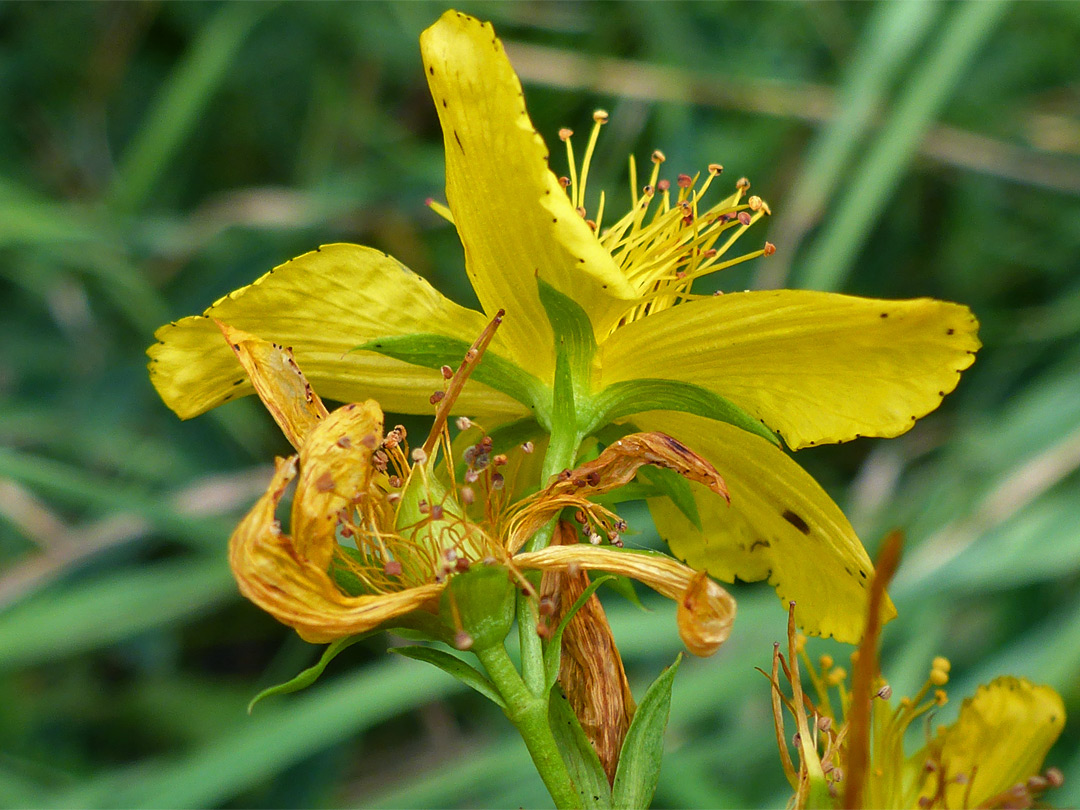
780 526
323 304
591 670
514 219
297 592
999 740
703 626
613 468
279 382
815 367
335 470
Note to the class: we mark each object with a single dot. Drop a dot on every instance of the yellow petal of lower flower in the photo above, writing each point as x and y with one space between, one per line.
297 592
780 526
1000 739
335 471
279 382
322 305
703 625
514 219
815 367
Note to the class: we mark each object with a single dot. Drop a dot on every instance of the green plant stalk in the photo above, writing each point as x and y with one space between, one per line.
529 714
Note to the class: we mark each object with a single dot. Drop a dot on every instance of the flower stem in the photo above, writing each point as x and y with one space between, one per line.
529 714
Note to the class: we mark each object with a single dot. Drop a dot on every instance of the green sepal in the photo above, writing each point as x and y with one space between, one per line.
672 485
578 754
312 673
482 599
642 750
624 587
436 351
345 579
625 398
553 651
452 665
573 332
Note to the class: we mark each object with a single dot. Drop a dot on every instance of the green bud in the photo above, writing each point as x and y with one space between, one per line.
481 602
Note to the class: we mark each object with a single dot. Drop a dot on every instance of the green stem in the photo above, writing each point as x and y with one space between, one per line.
529 714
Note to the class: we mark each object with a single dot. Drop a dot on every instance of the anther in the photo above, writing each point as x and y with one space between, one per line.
467 495
658 156
436 512
497 481
1055 777
547 605
418 455
581 211
565 133
499 460
755 203
1038 782
825 662
744 218
685 181
436 397
463 422
594 538
462 565
579 516
527 447
447 372
393 497
423 507
395 481
471 476
462 640
885 692
742 183
392 568
486 444
600 116
769 249
564 182
939 677
824 723
940 698
942 663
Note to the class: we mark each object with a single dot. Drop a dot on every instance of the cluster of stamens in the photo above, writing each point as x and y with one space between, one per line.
663 248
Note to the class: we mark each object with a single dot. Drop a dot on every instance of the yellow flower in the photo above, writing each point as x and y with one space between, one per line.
404 532
992 756
719 373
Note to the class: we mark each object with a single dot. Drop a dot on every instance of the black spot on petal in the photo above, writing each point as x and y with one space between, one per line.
796 521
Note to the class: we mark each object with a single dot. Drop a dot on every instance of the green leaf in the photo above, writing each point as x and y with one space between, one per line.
436 351
311 674
452 665
672 485
553 653
636 396
639 760
578 754
573 333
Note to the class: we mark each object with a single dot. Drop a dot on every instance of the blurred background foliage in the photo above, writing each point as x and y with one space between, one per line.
155 156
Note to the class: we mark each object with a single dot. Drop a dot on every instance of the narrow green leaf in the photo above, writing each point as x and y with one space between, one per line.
573 332
674 486
110 608
639 760
636 396
311 674
939 71
624 587
177 109
553 652
578 754
435 351
452 665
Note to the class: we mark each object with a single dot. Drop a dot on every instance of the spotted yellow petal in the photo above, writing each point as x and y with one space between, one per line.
780 526
1000 739
514 219
323 304
298 592
815 367
278 381
335 471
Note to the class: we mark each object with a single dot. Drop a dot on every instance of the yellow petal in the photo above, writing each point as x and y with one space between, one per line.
297 592
514 219
279 382
323 304
780 526
335 471
815 367
703 626
1002 736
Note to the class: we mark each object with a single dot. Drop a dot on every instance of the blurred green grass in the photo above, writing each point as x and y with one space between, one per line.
155 156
